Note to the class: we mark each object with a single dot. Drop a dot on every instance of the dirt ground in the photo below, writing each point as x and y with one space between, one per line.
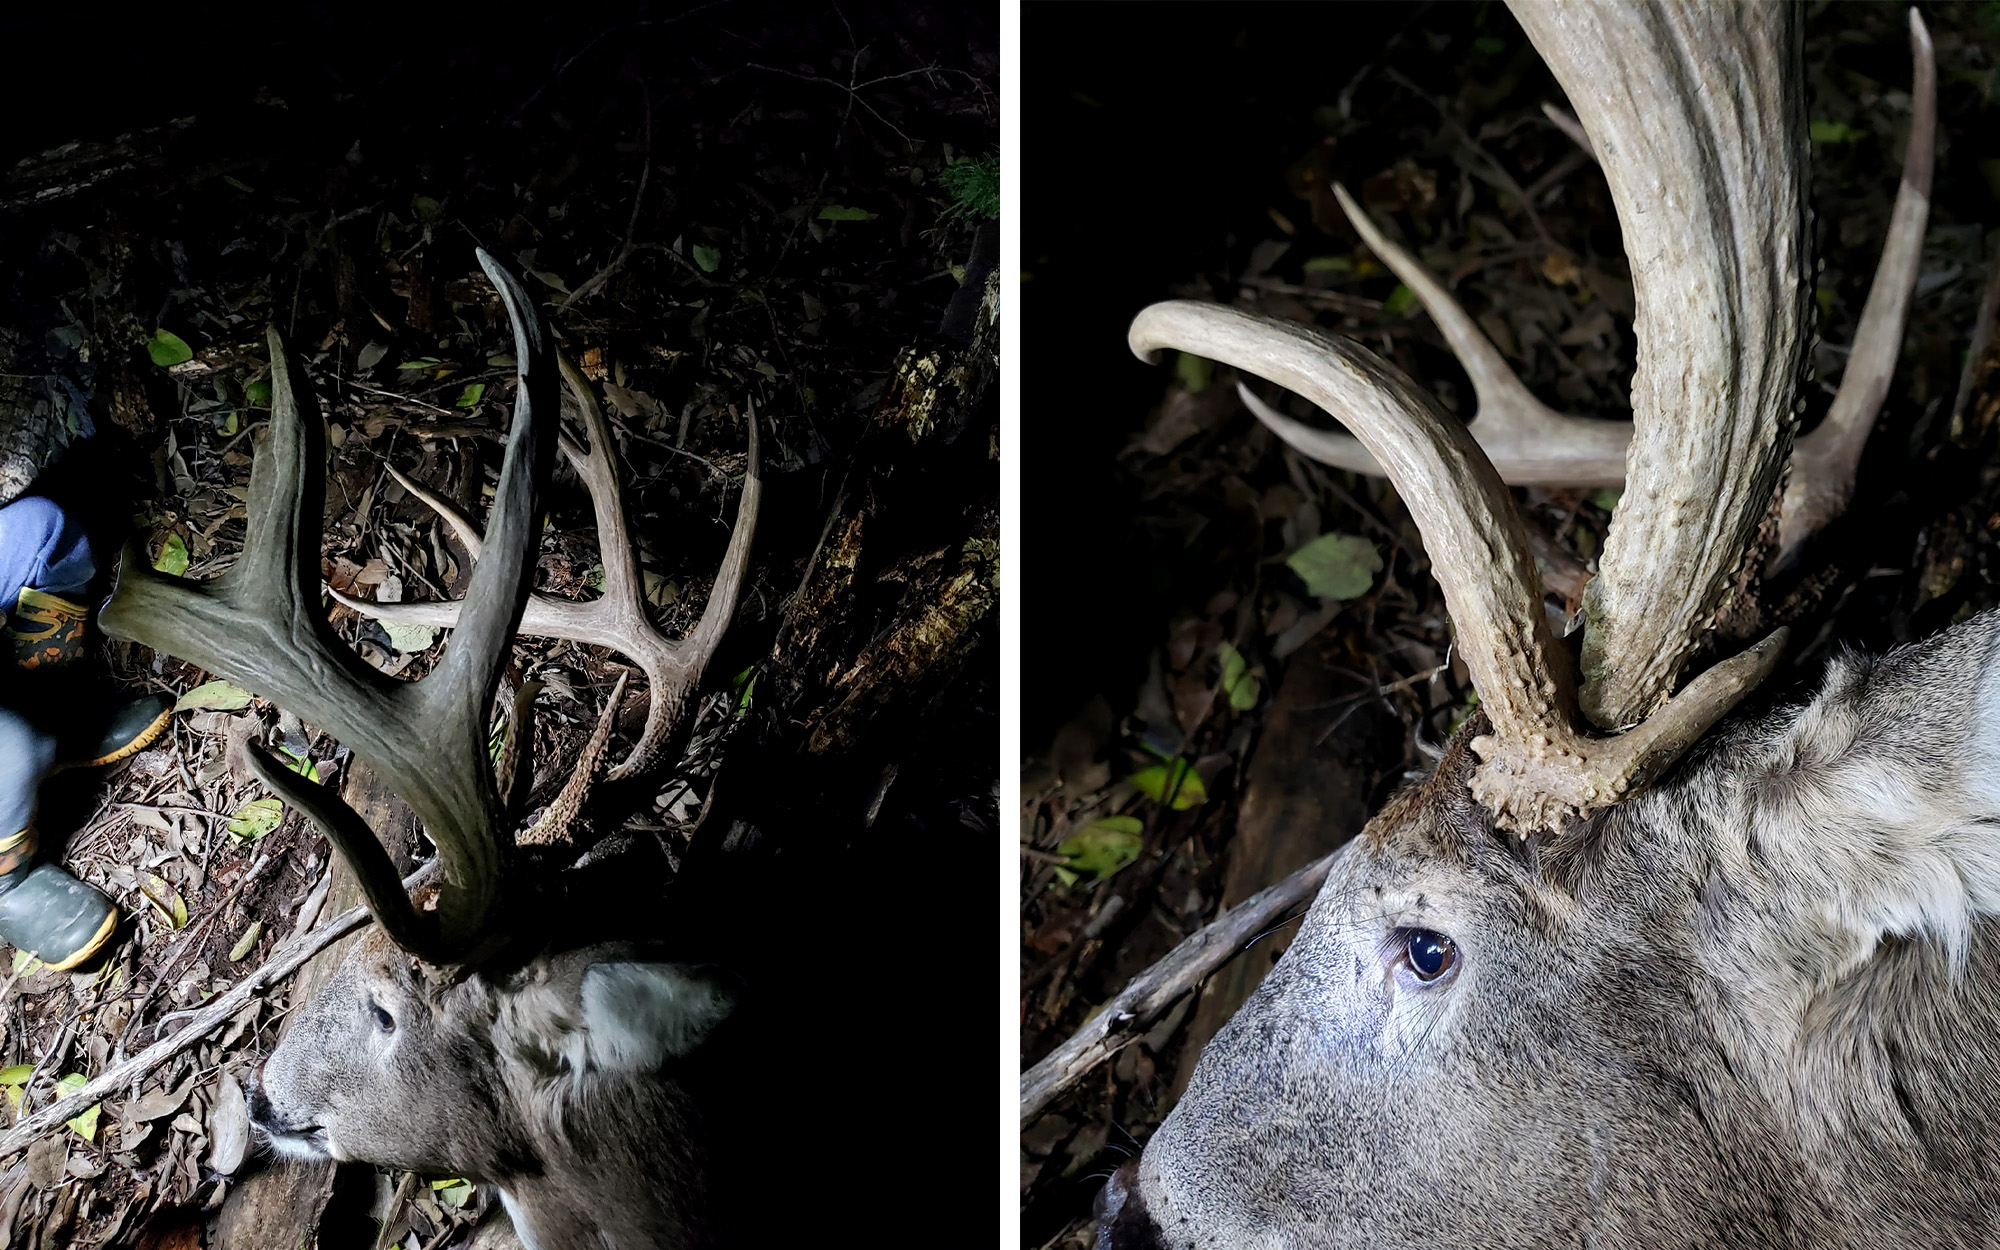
1198 721
724 207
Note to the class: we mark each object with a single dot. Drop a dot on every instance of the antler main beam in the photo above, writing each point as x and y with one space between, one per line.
1693 112
261 625
617 618
1539 769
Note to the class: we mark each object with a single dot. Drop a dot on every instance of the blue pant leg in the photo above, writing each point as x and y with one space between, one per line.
42 548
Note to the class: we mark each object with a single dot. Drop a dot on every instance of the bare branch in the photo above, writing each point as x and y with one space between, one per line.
1148 996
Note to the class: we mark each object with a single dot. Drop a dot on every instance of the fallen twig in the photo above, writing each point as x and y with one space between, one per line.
284 961
1134 1009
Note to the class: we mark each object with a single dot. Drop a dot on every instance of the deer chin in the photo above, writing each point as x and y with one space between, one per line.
309 1144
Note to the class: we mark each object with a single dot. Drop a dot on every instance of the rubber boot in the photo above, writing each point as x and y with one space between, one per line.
92 726
43 909
47 912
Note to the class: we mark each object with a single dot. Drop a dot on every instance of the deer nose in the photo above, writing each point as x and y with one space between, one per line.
262 1113
1122 1222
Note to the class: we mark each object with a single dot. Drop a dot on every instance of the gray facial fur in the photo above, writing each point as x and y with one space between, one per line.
1759 1005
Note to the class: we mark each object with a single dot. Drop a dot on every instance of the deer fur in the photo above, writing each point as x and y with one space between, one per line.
563 1082
1757 1005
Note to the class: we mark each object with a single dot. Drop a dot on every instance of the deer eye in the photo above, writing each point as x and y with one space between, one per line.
383 1020
1430 954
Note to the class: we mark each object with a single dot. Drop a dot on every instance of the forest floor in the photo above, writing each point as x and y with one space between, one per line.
1277 700
731 210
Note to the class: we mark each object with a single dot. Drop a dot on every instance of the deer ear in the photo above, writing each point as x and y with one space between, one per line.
1878 801
638 1015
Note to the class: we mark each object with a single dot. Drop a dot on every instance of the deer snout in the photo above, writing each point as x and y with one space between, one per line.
283 1132
262 1114
1122 1222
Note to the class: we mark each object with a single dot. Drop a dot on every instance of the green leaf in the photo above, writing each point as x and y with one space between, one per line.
1489 45
1336 566
426 208
1607 498
840 212
1195 372
16 1075
421 362
221 696
255 819
1400 301
974 186
1174 783
85 1122
472 394
258 394
409 639
25 964
1329 264
246 943
173 557
1834 132
707 257
452 1191
1104 846
168 349
741 688
1238 682
300 764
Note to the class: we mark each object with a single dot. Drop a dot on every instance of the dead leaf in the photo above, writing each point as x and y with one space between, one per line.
158 1103
46 1160
228 1127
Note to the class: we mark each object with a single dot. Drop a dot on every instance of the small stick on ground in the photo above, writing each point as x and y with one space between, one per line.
1136 1007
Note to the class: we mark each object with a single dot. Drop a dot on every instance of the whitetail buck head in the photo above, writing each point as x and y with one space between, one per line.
557 1077
1617 974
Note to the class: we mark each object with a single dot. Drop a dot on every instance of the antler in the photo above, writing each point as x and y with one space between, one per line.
1689 108
261 625
1529 443
617 618
1539 769
1533 445
1823 462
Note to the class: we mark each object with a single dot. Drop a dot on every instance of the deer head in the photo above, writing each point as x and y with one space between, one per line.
435 1047
1619 972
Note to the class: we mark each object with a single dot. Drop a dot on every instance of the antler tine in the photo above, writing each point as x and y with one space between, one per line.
1692 111
1823 462
1529 443
617 619
1538 770
260 624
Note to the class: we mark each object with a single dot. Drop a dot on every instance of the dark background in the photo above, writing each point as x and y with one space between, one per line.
1155 135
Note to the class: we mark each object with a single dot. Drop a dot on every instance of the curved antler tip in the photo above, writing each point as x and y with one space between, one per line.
1920 34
